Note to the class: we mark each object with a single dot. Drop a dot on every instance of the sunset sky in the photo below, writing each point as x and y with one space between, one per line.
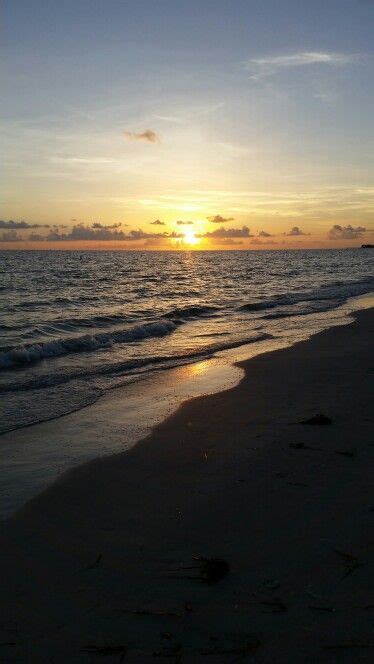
187 124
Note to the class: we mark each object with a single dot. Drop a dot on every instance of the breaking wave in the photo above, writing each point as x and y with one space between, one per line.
55 348
193 311
337 293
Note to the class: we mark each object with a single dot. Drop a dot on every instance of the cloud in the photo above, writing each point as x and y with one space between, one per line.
226 232
97 233
226 241
20 224
264 234
257 241
97 224
186 113
184 223
157 222
81 232
148 135
295 232
218 219
35 237
271 65
338 232
143 235
10 236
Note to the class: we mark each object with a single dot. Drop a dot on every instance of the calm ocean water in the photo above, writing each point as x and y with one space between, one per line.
75 324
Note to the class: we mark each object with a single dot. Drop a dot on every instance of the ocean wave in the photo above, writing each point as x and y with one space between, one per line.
264 304
67 324
36 352
337 293
128 367
193 311
314 307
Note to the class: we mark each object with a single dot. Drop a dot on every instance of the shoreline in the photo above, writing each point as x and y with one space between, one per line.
36 455
229 475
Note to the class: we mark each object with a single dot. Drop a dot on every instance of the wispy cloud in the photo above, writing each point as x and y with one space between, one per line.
256 241
185 115
149 136
85 160
184 223
271 65
157 222
225 241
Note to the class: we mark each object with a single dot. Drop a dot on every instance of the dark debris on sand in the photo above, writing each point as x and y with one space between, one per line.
212 570
209 570
317 420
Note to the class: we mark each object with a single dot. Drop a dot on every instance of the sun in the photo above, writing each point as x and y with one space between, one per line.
190 238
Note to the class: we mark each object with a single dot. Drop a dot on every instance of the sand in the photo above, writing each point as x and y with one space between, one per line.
99 564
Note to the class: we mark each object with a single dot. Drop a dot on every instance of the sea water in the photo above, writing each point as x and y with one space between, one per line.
74 325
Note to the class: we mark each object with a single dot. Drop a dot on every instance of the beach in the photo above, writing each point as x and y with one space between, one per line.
110 559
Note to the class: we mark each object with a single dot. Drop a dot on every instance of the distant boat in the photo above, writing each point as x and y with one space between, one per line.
367 246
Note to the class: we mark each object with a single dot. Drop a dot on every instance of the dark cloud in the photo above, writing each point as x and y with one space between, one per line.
157 222
143 235
295 232
20 224
264 234
148 136
97 224
81 232
338 232
10 236
100 233
55 236
105 233
184 223
226 232
218 219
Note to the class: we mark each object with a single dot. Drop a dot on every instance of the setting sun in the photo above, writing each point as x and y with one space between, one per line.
190 238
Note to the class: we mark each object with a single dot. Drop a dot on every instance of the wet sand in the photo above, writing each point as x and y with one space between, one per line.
99 564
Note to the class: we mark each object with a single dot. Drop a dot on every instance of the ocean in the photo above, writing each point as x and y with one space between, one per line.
75 324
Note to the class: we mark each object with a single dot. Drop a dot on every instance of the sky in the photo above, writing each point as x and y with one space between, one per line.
172 124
